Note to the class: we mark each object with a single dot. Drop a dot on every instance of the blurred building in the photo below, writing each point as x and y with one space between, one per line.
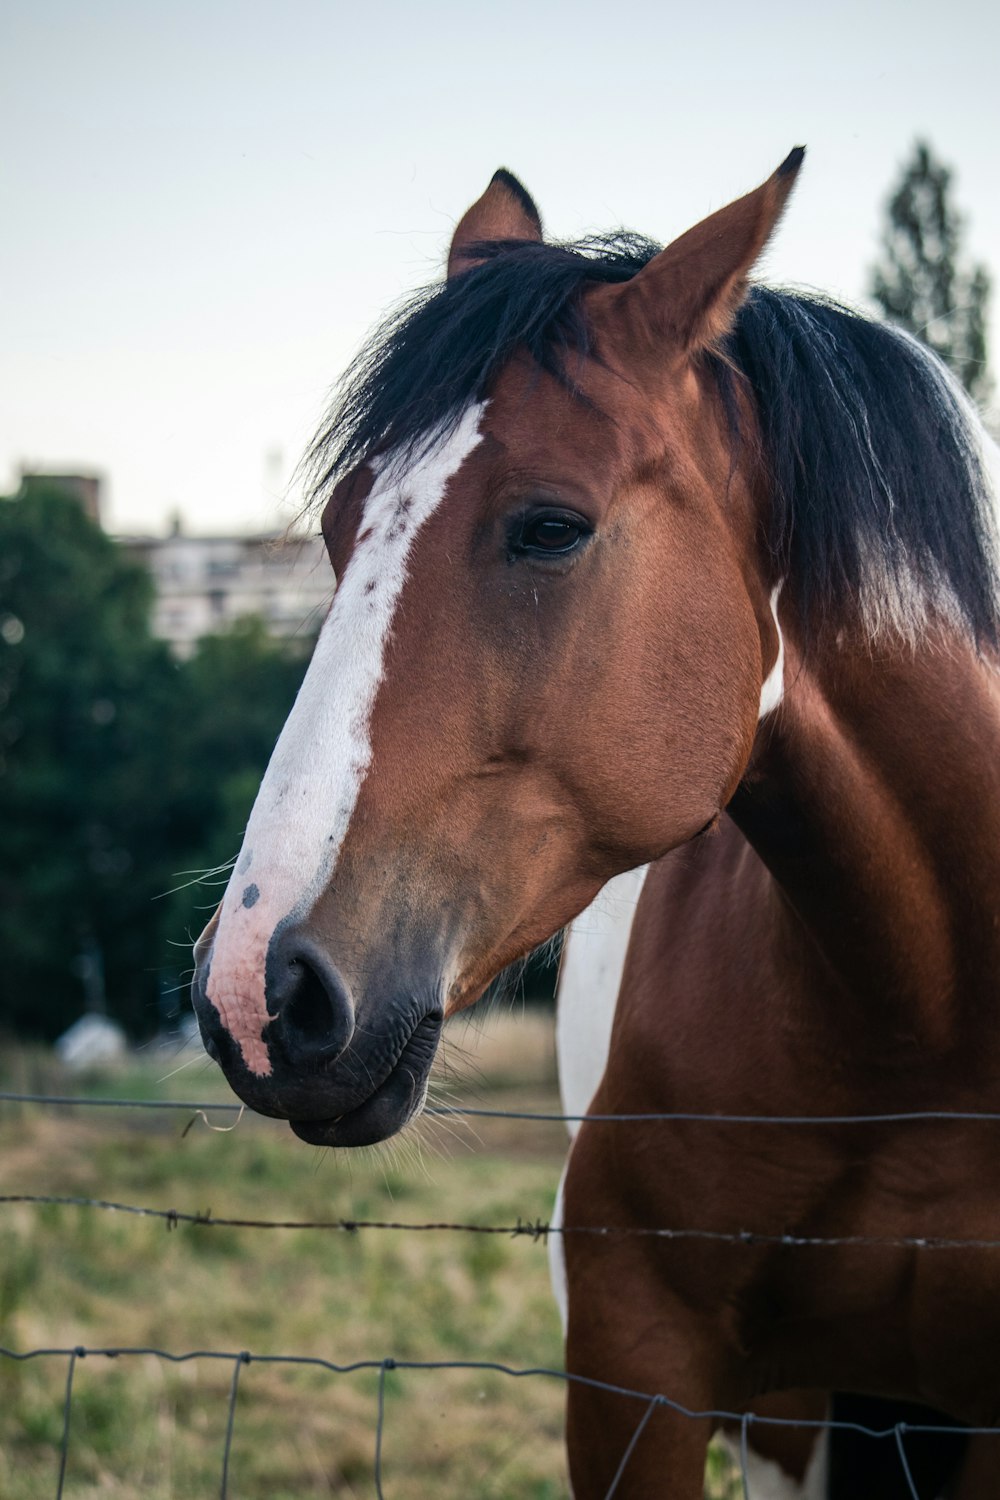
204 583
84 488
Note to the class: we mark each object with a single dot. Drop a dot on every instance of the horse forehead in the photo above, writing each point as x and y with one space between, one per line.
536 427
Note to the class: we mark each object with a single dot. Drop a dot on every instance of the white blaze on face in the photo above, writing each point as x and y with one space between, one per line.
311 786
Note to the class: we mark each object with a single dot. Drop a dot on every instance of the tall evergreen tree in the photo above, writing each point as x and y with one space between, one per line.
921 281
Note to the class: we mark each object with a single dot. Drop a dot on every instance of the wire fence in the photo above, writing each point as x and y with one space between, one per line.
651 1402
532 1229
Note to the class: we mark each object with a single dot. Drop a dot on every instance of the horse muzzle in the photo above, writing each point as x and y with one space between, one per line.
344 1071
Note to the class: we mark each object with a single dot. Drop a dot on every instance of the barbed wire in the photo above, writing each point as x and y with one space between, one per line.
451 1111
533 1229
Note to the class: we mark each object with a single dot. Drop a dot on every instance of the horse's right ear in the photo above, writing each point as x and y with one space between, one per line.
506 211
688 295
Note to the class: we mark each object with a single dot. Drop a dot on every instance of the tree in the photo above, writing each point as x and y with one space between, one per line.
921 282
85 731
119 767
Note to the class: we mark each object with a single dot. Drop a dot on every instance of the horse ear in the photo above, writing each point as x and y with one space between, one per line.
690 292
506 211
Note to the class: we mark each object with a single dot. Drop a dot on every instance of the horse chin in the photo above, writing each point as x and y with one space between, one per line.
385 1112
391 1104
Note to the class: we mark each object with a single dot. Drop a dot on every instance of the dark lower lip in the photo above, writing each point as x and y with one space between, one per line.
385 1113
392 1105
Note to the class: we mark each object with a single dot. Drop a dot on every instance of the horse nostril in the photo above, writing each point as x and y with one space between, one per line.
310 1008
311 1004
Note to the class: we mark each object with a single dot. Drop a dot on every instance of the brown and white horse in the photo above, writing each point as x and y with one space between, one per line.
638 566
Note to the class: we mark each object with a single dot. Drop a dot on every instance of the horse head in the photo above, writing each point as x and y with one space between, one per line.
543 663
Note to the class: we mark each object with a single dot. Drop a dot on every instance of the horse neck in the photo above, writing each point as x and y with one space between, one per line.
874 799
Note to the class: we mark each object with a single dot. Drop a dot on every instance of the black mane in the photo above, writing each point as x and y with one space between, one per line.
879 497
444 344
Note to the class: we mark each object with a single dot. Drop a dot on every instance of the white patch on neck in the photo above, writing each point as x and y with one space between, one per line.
590 976
773 689
311 786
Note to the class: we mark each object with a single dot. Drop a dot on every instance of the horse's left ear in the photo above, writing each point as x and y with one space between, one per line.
689 293
506 211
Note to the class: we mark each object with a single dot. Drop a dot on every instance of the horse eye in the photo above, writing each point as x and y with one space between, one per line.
548 535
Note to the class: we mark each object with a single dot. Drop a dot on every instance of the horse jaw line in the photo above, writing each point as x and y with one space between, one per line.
773 689
310 789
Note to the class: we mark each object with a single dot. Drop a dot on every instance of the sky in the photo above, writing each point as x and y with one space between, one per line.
205 206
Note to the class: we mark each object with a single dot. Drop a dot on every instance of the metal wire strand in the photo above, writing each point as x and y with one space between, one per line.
745 1453
74 1355
632 1444
243 1358
386 1365
533 1229
898 1432
450 1111
567 1377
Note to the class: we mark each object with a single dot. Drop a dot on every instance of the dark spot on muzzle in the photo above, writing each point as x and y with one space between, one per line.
251 896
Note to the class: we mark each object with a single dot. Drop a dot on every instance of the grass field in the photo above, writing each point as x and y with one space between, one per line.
144 1428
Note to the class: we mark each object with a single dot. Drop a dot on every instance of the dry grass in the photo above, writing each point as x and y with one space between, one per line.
143 1428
